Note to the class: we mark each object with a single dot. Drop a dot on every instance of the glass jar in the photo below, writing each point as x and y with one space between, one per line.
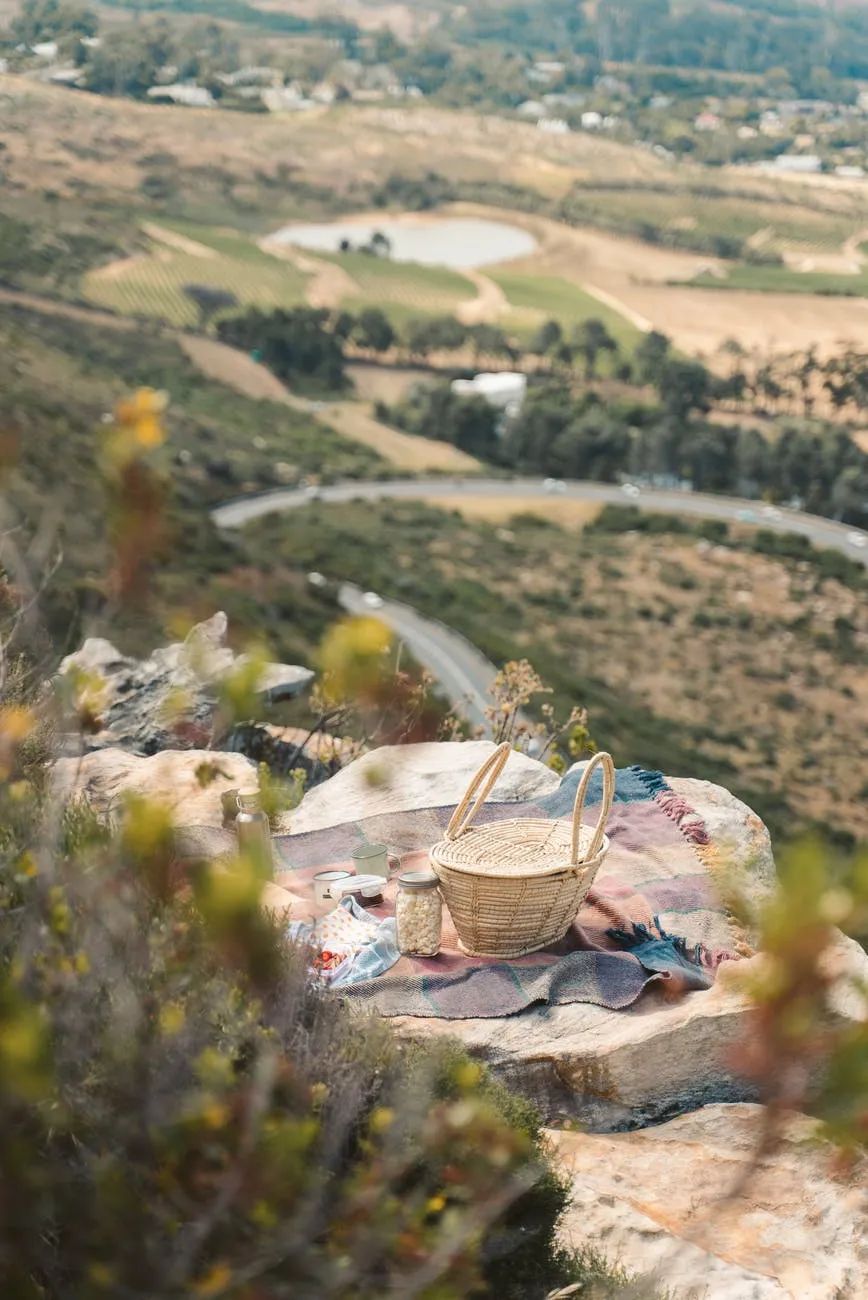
419 913
254 832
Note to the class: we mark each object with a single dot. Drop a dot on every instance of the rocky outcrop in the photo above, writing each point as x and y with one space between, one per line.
608 1069
398 778
189 782
168 700
685 1204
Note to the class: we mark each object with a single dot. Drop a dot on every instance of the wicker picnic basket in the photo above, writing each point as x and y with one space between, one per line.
515 886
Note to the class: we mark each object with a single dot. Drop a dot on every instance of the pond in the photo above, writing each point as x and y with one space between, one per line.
460 243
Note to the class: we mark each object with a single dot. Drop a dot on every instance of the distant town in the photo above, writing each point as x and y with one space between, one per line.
709 115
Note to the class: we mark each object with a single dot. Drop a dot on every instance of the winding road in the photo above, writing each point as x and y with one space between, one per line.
821 532
464 674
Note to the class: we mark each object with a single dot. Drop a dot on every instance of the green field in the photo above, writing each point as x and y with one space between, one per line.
784 279
402 289
536 298
152 284
789 221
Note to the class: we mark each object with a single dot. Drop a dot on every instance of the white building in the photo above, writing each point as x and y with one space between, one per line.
188 94
554 125
505 390
285 99
801 164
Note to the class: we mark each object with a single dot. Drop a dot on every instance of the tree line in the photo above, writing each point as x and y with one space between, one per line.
648 418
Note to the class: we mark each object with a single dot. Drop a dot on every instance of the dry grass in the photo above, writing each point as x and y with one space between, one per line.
382 383
235 167
404 450
574 515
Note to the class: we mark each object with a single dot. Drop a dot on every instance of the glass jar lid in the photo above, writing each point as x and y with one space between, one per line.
418 880
249 801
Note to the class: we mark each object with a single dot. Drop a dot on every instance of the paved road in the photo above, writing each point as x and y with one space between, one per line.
464 675
822 532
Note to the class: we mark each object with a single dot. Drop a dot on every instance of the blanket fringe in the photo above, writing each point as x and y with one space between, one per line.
694 830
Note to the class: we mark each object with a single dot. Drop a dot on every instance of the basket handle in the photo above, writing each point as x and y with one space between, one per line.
491 768
598 760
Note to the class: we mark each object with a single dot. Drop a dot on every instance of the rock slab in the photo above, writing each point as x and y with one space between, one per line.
400 778
189 782
608 1069
169 699
683 1204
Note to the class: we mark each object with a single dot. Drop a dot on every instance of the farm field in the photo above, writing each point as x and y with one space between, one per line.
152 283
781 223
535 298
251 174
402 289
783 279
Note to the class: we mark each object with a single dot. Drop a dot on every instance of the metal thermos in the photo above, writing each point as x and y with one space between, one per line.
253 830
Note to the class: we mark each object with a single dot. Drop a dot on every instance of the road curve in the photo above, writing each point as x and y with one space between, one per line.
463 673
821 532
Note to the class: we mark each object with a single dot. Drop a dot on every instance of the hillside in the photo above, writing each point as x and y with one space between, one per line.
614 220
740 667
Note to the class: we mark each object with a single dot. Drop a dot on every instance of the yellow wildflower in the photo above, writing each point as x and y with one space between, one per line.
142 415
214 1281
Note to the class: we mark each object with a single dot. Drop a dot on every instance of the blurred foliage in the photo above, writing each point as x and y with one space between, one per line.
806 1047
58 381
557 742
185 1113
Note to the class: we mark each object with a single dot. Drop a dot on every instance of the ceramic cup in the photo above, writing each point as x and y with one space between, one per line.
323 881
372 860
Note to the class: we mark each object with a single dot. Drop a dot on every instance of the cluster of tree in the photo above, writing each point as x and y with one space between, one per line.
765 37
128 58
469 423
296 345
667 442
52 20
379 245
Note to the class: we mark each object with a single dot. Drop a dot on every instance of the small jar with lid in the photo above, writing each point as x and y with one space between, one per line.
254 832
419 913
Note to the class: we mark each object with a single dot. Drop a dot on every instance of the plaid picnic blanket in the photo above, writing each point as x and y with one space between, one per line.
653 915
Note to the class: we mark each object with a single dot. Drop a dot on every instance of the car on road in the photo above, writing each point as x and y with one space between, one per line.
554 485
312 492
859 540
372 600
630 489
772 512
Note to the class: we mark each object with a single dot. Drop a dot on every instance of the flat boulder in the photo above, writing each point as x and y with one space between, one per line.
689 1207
401 778
187 781
609 1069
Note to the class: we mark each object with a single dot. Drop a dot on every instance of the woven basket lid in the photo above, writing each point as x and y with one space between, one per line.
523 847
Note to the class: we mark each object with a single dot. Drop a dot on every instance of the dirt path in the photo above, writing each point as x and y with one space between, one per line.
172 239
51 307
230 366
404 450
328 284
852 246
352 420
489 304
